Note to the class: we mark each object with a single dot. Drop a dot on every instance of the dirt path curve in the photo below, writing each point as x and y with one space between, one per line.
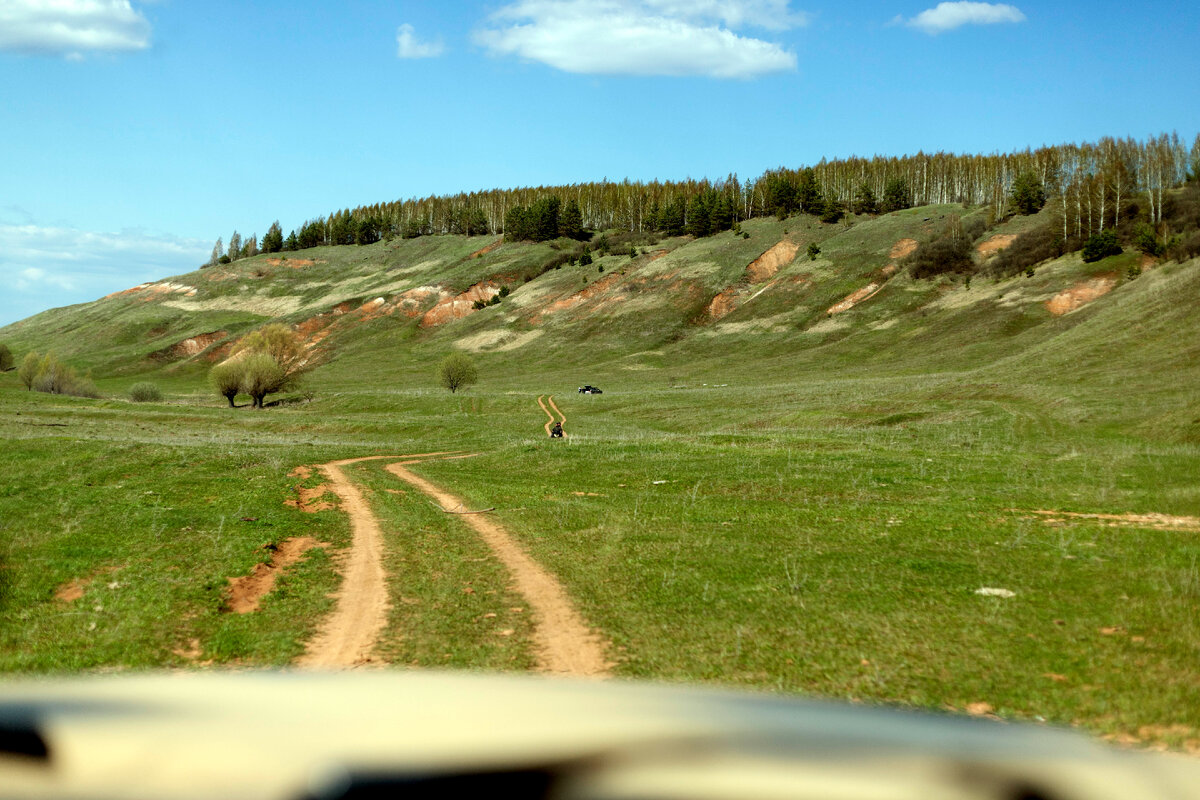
565 645
348 635
561 416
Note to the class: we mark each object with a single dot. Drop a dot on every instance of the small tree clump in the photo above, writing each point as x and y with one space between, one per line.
457 371
813 251
1101 245
48 374
145 392
6 358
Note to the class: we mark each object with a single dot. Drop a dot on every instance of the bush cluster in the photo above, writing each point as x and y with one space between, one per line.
1028 250
1101 245
48 374
6 358
268 360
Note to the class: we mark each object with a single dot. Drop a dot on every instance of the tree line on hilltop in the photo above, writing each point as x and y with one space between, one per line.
1091 184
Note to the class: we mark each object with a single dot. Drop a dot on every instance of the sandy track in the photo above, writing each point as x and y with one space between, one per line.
561 416
348 635
565 645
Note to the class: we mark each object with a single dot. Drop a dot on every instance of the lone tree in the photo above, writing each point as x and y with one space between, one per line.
262 375
226 378
1027 194
457 371
6 358
29 369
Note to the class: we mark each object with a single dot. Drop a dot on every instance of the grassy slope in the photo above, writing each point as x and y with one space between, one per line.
836 488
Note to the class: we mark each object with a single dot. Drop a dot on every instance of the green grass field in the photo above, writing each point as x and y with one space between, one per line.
790 510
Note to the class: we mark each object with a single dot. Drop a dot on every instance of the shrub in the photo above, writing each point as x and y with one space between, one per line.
6 358
48 374
1185 247
813 251
478 304
942 255
457 371
1146 240
1101 245
145 392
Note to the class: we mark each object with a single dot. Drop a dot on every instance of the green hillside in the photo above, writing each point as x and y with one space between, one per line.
799 475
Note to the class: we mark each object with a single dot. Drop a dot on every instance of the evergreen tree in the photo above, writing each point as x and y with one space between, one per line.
1027 194
516 224
896 195
699 216
864 201
808 192
272 241
291 242
543 216
673 217
571 223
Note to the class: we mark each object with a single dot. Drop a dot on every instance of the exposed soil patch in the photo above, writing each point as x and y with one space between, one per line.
247 592
483 251
766 265
308 499
586 293
995 244
565 644
197 344
1164 522
459 306
723 304
1080 294
72 590
854 299
903 249
294 263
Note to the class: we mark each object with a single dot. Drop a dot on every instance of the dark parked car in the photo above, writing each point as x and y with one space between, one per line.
589 389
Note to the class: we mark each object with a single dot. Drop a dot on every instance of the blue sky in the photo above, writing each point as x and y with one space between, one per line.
136 133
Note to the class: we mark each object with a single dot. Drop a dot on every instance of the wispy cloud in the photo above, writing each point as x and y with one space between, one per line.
45 267
409 46
948 16
71 28
644 37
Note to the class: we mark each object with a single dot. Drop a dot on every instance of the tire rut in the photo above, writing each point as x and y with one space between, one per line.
564 644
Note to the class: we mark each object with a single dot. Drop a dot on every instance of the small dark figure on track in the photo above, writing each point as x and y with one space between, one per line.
556 432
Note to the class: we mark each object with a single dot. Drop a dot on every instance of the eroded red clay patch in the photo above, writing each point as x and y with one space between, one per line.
483 251
247 592
308 499
72 590
294 263
766 265
903 249
459 306
995 244
854 299
1080 294
197 344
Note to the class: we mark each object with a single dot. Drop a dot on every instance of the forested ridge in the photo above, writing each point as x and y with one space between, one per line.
1092 187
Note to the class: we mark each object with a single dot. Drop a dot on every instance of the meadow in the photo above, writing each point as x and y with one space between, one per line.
811 513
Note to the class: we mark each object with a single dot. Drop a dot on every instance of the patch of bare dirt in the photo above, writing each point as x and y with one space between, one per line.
294 263
308 499
483 251
903 249
72 590
1165 522
995 244
854 298
1148 261
1080 294
459 306
247 592
197 344
766 265
723 304
588 292
565 644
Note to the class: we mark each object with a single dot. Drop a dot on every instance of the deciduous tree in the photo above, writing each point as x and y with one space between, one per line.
457 371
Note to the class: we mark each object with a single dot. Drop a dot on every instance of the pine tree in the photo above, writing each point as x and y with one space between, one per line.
272 241
571 223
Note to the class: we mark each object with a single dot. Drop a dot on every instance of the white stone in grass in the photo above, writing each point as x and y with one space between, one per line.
988 591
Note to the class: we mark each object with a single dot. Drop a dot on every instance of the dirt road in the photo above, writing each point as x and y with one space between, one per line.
564 643
562 418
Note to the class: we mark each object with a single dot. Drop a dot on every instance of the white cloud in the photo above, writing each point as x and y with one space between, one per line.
44 267
643 37
71 27
948 16
408 46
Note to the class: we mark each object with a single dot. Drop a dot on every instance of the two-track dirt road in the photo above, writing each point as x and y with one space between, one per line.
564 644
